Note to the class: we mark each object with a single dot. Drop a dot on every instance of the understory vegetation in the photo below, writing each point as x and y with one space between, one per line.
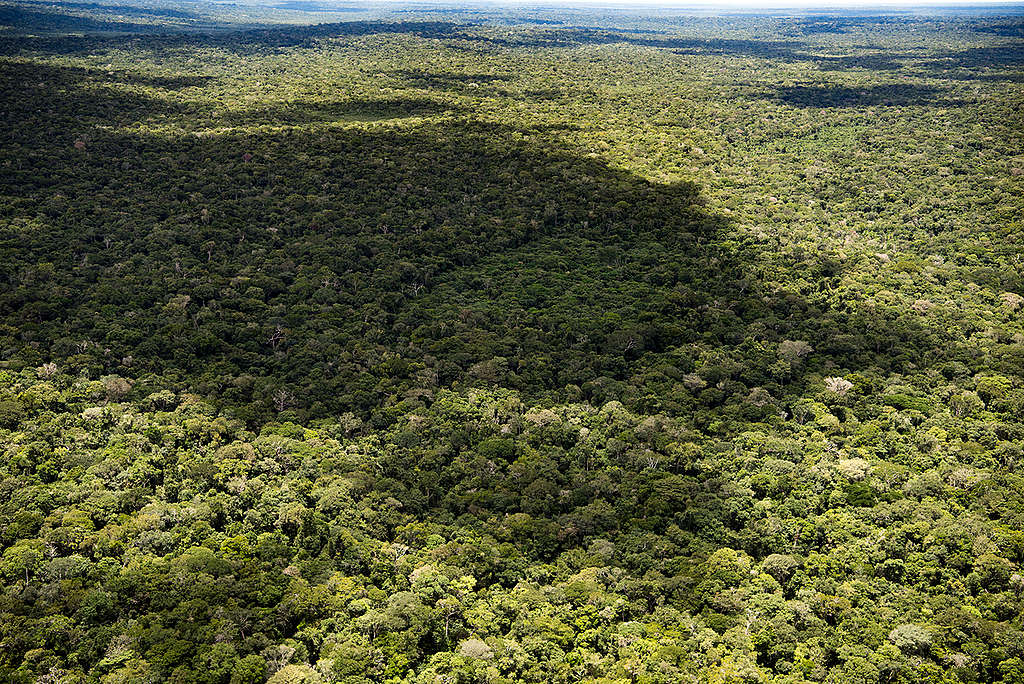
384 344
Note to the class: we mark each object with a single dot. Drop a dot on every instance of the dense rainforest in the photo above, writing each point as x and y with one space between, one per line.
347 343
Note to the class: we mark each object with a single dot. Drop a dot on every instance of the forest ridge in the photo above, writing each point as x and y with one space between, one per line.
348 343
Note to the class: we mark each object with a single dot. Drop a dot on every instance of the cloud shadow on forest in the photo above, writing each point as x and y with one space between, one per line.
54 77
829 95
343 235
999 63
124 10
79 100
36 20
392 213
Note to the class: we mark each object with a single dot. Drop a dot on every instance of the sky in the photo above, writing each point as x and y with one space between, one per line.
753 4
1015 7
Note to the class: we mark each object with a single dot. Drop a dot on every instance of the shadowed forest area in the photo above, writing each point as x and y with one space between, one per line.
384 344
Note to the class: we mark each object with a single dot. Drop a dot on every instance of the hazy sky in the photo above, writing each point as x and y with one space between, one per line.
779 4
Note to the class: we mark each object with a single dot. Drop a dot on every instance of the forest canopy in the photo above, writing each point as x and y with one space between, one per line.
352 343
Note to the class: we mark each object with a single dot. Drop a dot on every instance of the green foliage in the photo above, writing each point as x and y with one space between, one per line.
504 541
490 348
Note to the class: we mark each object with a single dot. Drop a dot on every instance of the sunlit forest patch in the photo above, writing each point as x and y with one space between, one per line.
382 343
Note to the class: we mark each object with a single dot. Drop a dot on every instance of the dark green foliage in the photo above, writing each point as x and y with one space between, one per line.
496 346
